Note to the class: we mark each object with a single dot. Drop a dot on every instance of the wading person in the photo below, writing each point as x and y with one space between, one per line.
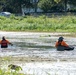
61 45
4 43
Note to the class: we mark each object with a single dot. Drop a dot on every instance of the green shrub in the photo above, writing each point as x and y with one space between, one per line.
41 23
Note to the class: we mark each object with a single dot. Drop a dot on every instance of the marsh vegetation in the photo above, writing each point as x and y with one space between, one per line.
63 23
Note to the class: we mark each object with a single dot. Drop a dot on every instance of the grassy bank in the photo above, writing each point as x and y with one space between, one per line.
3 72
41 23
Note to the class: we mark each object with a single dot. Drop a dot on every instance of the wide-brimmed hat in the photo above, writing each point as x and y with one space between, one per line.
61 38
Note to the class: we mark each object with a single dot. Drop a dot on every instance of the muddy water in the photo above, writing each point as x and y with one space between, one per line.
40 45
35 44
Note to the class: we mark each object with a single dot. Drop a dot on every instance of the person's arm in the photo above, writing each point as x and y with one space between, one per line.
64 44
0 41
56 44
9 42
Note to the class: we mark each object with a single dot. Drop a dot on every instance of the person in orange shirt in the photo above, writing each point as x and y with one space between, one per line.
61 45
4 43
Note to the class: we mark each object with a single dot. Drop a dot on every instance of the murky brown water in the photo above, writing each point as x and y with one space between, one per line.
30 44
38 45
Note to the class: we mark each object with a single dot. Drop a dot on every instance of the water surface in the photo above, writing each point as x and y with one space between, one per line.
30 44
36 46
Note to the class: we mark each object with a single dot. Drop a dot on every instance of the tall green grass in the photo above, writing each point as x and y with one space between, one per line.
41 23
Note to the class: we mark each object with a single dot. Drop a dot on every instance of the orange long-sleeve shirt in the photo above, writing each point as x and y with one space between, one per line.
6 41
62 44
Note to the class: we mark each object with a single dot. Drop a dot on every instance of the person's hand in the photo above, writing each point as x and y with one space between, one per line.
11 44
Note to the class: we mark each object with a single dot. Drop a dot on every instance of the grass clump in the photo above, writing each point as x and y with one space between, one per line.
8 72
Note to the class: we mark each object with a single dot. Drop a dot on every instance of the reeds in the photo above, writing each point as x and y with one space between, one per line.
41 23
